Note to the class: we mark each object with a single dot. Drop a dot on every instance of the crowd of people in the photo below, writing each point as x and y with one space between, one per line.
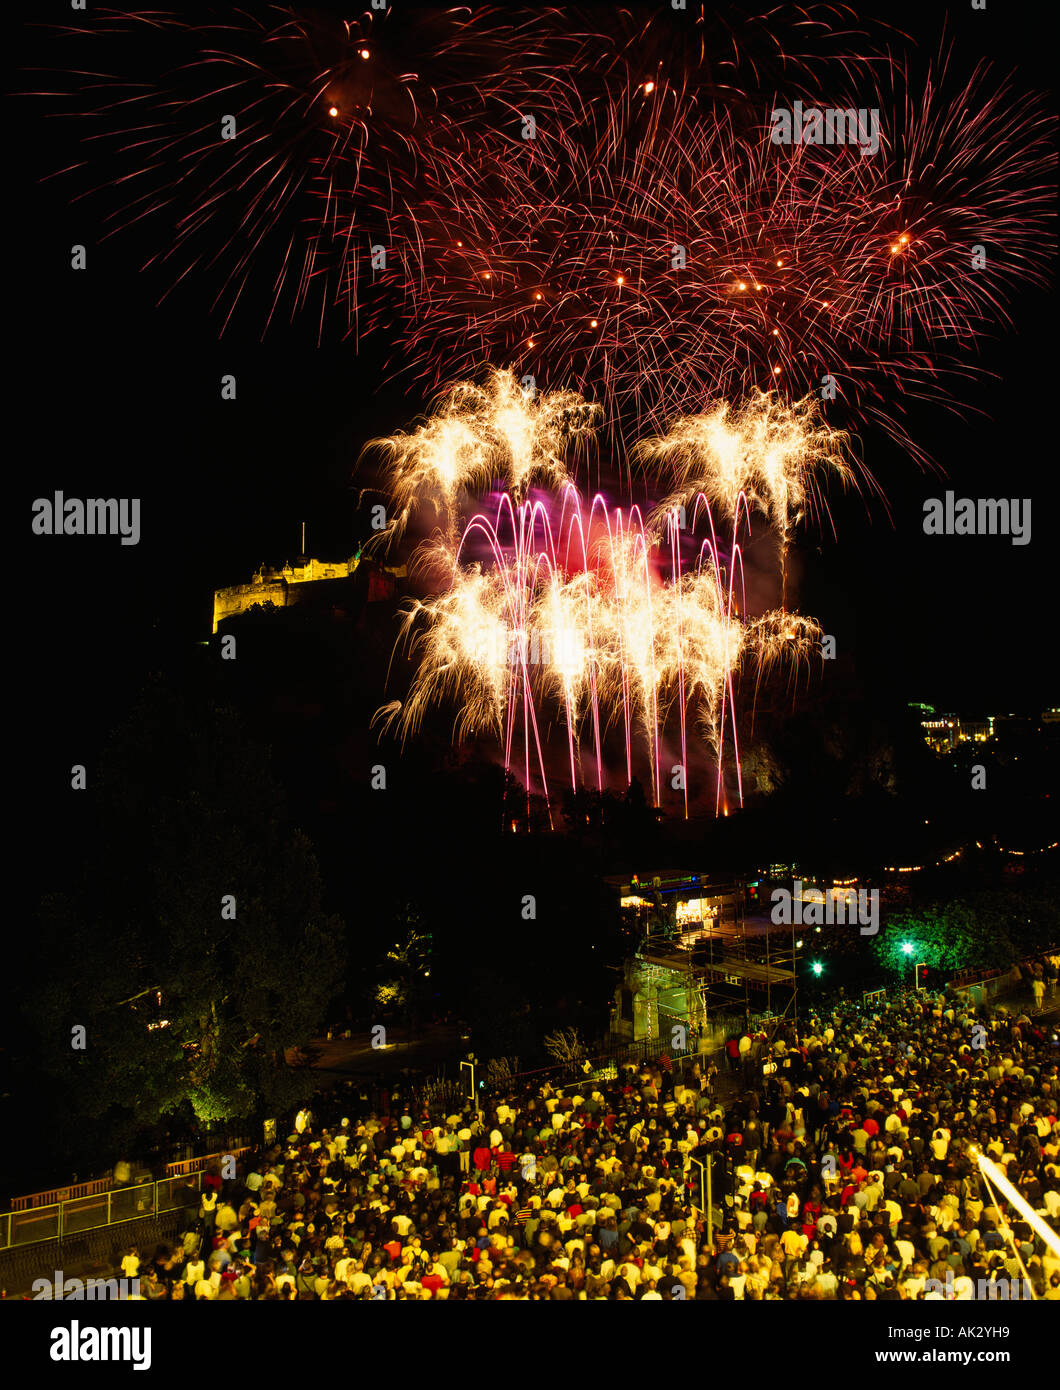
840 1159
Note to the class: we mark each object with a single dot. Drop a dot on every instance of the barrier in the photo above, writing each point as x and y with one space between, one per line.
91 1210
188 1166
235 1144
60 1194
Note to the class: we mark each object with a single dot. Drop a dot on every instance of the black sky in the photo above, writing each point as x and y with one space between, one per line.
110 395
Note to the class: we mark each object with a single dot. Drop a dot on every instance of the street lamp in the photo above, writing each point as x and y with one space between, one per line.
907 950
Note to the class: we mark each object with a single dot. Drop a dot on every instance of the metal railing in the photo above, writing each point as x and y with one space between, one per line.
51 1195
60 1194
93 1210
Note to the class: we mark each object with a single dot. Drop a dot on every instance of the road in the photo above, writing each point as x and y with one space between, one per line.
429 1048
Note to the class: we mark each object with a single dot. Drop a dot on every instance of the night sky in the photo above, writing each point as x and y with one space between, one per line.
113 395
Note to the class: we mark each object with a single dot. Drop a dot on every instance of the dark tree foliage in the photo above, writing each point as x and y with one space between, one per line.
180 1005
991 929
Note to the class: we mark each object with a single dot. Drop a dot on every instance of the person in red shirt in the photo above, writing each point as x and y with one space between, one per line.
810 1212
506 1160
482 1158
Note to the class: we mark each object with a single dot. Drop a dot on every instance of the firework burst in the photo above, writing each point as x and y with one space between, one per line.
599 207
669 253
551 602
333 142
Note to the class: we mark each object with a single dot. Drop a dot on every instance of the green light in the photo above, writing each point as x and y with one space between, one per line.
907 947
817 967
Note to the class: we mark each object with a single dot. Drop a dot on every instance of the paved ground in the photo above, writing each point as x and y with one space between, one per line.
427 1050
1021 1001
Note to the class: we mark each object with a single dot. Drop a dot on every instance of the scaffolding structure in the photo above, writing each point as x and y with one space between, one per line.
725 971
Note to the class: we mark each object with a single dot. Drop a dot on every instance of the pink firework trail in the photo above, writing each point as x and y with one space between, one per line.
596 613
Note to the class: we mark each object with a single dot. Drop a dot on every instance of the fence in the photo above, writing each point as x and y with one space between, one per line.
61 1194
91 1210
977 975
184 1166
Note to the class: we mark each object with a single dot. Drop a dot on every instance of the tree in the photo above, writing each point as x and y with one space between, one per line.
992 929
564 1045
501 1073
181 1004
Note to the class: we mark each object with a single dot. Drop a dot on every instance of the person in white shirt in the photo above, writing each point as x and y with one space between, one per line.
827 1283
940 1143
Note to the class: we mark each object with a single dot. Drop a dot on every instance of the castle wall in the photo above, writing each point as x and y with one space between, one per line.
315 581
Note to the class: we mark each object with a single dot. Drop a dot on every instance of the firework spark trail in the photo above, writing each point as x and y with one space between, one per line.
337 145
554 255
679 256
560 602
478 434
766 452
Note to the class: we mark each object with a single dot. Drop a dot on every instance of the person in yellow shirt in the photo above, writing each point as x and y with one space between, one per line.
793 1243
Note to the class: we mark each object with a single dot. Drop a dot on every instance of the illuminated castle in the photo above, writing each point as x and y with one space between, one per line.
286 587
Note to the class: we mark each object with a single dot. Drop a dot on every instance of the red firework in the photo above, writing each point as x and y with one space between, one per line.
598 206
659 252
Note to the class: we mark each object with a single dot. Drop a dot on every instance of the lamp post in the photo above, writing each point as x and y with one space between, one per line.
907 951
709 1208
796 947
472 1059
